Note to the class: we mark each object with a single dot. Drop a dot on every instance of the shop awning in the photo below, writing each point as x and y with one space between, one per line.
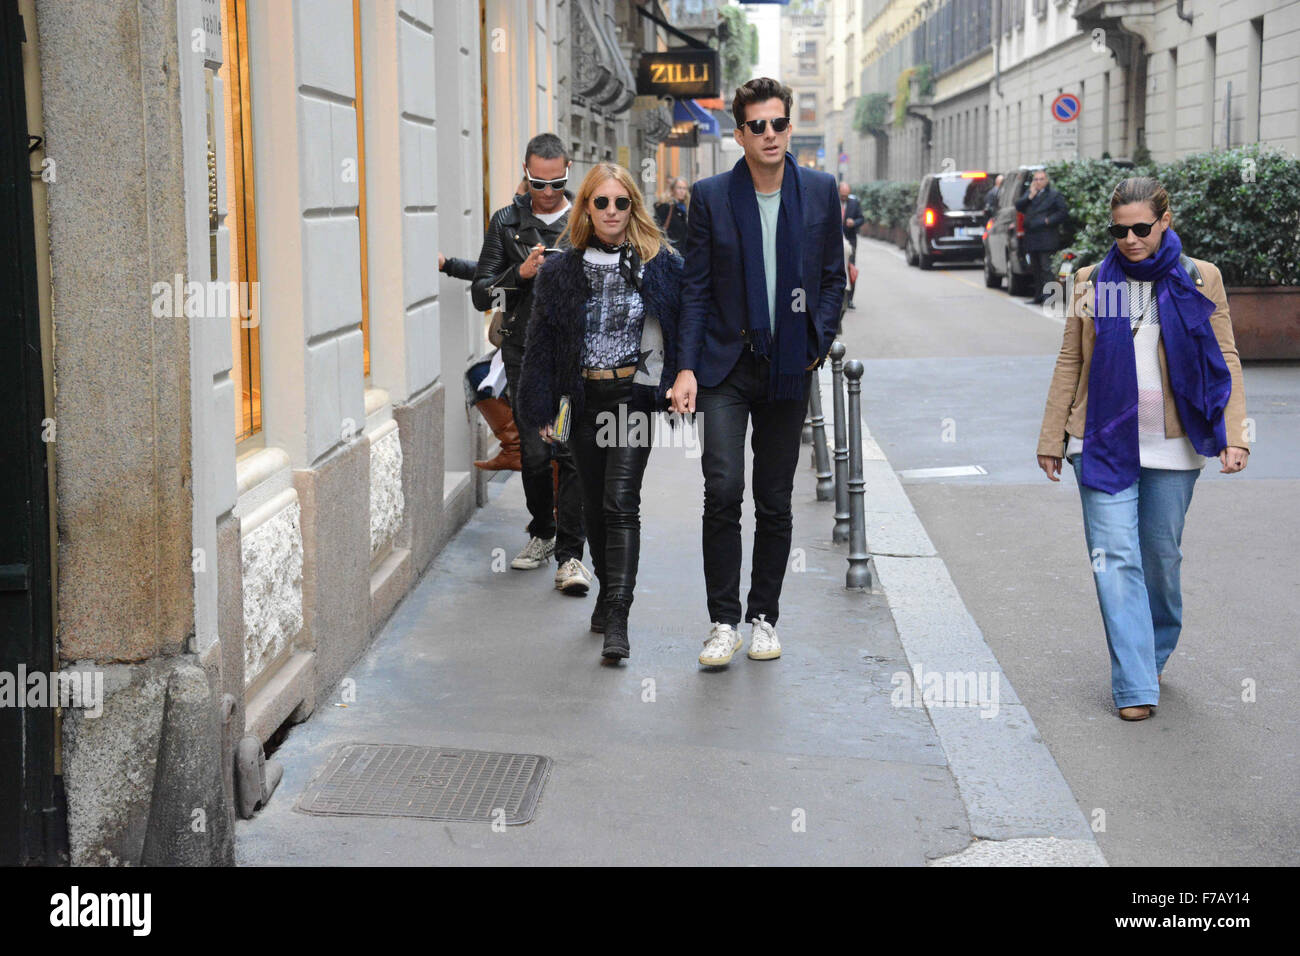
688 111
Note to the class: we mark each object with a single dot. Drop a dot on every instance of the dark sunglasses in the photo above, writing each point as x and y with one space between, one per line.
1140 229
556 184
621 203
779 125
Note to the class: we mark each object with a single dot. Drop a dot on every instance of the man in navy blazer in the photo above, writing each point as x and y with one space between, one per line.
761 292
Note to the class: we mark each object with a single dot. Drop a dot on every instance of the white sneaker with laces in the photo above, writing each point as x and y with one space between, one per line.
572 577
721 646
763 644
534 554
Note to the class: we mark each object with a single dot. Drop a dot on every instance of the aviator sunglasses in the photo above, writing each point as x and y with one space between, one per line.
621 203
1140 229
779 125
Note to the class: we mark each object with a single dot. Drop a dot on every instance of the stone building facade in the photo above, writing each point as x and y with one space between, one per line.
254 363
1169 78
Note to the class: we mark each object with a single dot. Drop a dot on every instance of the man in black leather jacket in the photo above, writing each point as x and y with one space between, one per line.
513 249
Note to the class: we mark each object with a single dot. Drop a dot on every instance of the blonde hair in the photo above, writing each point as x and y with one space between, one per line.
641 229
669 194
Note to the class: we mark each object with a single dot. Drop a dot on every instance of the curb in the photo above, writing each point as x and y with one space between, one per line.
1021 810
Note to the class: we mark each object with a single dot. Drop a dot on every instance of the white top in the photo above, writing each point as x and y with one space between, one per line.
600 257
550 217
1154 449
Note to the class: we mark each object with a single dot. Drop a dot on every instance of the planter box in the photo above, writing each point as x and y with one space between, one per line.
1266 321
895 234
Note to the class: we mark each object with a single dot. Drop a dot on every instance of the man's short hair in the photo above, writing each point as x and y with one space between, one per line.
760 90
546 146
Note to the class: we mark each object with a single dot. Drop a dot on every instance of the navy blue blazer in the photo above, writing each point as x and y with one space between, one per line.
713 309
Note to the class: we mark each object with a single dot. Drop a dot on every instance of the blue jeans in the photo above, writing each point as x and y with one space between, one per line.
1133 540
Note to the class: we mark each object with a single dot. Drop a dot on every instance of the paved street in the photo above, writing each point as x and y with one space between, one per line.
1208 780
717 767
711 772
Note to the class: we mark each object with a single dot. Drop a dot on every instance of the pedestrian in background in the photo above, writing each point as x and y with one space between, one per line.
851 218
517 238
1147 382
991 198
1045 211
494 408
671 211
604 333
761 293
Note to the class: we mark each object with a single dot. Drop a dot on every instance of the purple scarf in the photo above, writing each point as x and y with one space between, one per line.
1198 374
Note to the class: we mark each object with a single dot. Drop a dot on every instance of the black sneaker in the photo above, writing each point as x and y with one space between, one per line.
616 645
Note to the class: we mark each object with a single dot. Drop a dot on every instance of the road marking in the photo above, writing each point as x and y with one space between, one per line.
956 471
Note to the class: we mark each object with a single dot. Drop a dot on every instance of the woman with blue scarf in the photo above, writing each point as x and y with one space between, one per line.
1147 386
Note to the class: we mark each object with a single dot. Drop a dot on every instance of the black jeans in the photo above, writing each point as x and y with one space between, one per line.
539 485
1041 260
611 469
724 412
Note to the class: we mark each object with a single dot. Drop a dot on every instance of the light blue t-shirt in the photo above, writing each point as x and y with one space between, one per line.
769 209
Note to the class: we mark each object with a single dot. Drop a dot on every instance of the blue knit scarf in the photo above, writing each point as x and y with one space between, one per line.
1198 374
788 349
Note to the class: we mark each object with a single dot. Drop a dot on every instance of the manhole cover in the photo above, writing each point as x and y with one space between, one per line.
431 783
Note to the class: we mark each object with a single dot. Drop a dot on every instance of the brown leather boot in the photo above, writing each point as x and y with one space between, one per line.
496 412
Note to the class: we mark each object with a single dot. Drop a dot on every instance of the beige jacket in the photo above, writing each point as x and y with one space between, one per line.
1067 397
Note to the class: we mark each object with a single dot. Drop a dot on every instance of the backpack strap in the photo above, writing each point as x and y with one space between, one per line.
1187 263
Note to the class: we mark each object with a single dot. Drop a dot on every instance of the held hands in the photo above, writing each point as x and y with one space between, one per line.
682 395
528 268
1233 459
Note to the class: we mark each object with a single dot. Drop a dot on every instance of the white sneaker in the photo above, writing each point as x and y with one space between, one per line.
572 577
534 555
763 645
721 646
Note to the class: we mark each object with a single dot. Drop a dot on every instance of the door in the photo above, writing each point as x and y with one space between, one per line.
30 824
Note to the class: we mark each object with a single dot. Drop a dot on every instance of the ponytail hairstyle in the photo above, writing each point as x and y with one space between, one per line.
1145 189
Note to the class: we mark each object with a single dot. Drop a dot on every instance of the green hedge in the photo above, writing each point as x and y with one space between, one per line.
1237 208
887 203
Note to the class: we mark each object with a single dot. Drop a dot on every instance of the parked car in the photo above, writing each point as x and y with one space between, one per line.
948 222
1004 233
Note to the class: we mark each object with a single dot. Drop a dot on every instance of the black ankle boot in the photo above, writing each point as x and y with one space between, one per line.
616 646
599 612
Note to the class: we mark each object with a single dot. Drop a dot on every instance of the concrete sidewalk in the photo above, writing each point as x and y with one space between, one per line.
718 768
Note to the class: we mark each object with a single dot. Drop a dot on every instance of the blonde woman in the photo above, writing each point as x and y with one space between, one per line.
604 334
670 212
1147 386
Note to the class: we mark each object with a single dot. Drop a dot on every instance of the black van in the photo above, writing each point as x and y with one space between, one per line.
1002 253
947 224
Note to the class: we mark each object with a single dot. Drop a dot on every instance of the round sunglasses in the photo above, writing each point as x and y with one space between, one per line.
621 203
779 125
1140 229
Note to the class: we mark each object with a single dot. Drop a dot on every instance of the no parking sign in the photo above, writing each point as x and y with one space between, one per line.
1065 134
1065 108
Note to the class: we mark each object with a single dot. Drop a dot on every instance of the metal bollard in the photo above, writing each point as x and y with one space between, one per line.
821 459
859 573
840 534
805 437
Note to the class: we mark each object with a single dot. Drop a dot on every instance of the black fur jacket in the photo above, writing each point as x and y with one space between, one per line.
557 329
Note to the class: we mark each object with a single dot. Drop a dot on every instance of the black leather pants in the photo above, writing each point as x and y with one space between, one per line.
610 468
